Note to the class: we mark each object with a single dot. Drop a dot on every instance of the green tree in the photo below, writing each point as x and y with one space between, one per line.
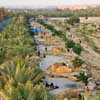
21 80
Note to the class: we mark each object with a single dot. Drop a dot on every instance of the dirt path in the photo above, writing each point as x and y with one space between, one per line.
48 60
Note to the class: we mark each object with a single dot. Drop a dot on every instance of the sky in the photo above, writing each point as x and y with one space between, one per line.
40 3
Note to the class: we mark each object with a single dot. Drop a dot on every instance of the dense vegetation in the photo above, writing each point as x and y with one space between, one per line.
15 39
20 78
89 12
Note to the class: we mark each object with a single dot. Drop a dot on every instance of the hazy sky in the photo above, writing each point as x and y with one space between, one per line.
31 3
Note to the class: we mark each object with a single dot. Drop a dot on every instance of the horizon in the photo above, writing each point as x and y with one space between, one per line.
44 3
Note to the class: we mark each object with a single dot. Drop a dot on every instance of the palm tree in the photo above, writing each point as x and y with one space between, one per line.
26 92
21 80
20 71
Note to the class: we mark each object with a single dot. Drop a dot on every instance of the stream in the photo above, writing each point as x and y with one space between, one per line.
3 23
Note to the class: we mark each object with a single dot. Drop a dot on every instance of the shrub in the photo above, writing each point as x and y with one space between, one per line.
77 62
70 44
77 48
83 76
73 19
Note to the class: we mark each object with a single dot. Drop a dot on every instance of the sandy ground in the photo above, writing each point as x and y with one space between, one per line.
82 19
91 57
